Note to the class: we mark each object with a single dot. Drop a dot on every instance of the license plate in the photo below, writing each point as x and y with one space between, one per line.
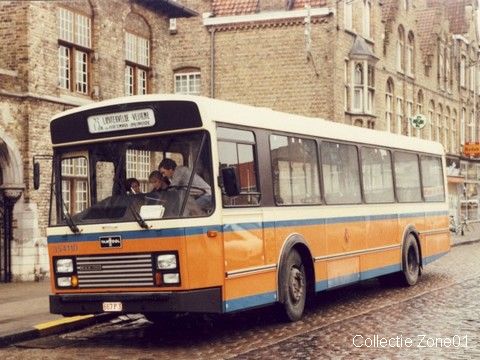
112 306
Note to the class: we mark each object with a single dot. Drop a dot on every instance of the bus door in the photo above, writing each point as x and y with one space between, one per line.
243 223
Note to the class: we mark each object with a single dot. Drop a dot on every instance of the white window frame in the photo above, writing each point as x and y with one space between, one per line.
137 62
399 114
190 83
366 19
348 14
75 39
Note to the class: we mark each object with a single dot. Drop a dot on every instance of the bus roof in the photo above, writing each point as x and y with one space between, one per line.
213 110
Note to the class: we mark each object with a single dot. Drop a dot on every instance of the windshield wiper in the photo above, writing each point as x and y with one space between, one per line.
68 218
136 215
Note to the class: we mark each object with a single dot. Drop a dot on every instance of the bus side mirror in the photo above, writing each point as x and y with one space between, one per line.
230 183
36 175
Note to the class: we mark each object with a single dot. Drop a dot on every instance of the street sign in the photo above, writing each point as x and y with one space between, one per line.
418 121
471 149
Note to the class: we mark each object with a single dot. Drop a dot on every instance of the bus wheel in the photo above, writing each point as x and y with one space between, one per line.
294 286
410 261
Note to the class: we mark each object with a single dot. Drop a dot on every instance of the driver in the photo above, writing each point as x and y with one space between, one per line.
180 176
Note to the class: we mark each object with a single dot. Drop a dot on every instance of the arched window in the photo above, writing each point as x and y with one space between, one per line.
453 141
389 105
419 110
438 130
358 88
463 119
411 54
367 13
441 66
431 120
137 55
446 129
401 49
187 81
74 46
448 69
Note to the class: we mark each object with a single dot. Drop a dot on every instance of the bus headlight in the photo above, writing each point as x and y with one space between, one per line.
64 266
166 261
173 278
64 281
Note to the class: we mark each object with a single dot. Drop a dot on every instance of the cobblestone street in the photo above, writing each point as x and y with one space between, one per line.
443 305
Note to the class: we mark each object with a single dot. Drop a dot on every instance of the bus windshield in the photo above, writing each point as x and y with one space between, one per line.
166 176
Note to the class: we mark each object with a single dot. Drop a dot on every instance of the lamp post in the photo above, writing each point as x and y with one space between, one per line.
11 193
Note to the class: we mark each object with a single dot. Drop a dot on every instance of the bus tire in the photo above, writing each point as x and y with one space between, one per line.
293 286
410 261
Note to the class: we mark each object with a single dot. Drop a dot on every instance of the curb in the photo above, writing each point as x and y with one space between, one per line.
467 242
55 327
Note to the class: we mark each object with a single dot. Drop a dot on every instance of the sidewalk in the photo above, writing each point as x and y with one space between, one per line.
24 313
24 307
469 237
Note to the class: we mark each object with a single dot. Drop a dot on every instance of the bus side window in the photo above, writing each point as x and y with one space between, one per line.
432 178
340 171
236 148
407 177
295 170
377 176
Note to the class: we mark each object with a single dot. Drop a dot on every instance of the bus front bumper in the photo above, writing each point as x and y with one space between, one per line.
202 300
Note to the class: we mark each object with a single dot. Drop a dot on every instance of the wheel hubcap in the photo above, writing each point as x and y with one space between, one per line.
296 285
412 261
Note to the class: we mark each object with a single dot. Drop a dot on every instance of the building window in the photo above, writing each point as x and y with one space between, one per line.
448 70
472 78
462 126
419 110
431 120
348 14
137 62
74 47
411 55
389 105
370 89
471 128
358 88
441 67
399 110
438 129
453 141
463 71
409 116
188 83
367 13
347 86
446 129
75 184
139 165
401 49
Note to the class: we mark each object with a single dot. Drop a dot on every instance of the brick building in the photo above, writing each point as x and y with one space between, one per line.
367 63
54 56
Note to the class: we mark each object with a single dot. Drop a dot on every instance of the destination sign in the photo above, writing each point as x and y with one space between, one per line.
121 121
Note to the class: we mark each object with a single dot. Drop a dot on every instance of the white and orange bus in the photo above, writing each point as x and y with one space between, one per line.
292 206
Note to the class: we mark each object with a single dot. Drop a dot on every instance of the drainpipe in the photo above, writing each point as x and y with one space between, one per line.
212 63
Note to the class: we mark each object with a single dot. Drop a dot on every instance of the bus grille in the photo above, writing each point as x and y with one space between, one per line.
108 271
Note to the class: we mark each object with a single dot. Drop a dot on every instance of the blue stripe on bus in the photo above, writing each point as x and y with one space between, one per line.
270 297
197 230
429 259
250 301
